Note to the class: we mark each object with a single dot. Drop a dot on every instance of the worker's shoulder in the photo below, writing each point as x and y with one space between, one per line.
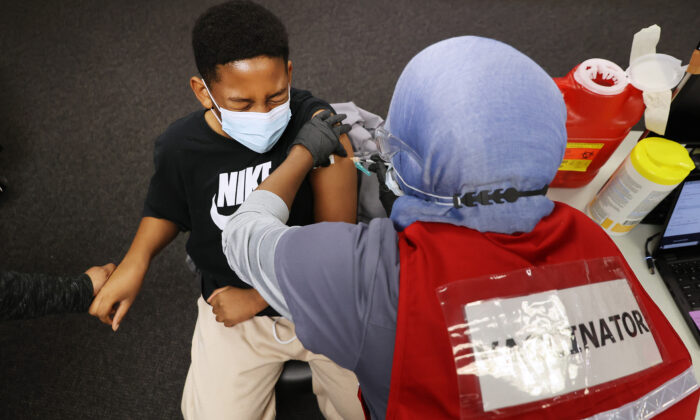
376 226
378 236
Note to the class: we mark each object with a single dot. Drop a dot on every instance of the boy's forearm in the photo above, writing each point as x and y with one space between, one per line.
124 283
151 237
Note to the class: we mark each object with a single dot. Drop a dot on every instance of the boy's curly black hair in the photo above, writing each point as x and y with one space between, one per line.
236 30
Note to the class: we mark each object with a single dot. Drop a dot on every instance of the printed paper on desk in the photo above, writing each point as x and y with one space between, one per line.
542 345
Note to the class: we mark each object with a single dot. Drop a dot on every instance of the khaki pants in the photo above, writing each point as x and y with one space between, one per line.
234 371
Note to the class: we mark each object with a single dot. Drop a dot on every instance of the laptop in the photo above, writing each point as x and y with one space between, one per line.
677 254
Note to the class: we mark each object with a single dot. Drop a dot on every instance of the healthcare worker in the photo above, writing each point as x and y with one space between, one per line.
475 132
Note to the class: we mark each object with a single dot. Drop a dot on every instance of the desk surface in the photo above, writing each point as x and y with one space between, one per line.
632 247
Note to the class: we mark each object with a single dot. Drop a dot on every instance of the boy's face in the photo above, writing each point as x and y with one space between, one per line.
256 84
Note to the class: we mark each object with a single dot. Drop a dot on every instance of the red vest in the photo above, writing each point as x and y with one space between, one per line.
424 380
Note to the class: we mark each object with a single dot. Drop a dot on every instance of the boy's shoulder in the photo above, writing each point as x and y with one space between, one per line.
299 95
190 124
182 130
303 103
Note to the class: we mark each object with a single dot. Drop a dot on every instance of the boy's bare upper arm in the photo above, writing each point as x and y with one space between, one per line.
335 189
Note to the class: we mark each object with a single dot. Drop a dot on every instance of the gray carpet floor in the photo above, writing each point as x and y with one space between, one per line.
86 86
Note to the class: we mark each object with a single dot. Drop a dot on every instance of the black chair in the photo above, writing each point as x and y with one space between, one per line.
3 182
294 393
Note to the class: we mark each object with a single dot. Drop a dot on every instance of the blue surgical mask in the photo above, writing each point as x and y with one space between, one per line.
258 131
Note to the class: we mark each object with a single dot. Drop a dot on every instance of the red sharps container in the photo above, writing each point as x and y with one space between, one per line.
602 107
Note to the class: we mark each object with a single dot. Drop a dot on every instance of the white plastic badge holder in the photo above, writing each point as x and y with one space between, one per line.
534 338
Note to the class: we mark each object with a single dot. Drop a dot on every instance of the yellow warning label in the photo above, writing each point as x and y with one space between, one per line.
578 156
618 228
606 223
585 145
578 165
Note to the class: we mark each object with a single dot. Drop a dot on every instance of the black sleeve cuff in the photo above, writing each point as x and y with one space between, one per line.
27 296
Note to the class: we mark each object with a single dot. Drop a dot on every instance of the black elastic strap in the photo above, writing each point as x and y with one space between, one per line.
497 196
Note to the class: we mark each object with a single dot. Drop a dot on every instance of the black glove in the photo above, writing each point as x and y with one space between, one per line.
386 197
321 137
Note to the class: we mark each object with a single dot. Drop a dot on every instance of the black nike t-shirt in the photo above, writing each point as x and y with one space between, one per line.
201 177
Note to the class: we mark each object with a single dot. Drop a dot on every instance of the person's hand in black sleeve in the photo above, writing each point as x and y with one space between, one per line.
29 295
321 137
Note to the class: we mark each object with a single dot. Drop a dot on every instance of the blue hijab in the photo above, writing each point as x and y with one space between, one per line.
480 115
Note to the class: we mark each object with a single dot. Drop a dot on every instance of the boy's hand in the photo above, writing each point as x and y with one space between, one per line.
232 305
321 137
99 275
115 298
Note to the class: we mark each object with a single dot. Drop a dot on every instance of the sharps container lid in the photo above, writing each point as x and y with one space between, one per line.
655 72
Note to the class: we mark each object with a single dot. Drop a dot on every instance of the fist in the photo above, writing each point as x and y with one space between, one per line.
232 305
99 275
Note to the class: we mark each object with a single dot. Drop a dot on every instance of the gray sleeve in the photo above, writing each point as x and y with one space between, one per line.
340 280
249 241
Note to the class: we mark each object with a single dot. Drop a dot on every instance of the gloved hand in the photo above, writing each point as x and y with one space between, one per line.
321 137
386 197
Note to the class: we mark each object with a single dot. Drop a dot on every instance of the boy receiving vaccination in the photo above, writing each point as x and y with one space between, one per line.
206 165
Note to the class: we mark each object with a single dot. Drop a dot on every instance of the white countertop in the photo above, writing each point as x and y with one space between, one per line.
632 247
